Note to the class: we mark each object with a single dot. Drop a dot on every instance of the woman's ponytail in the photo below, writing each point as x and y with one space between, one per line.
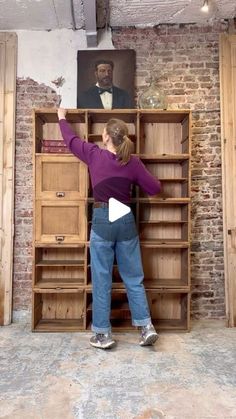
124 150
118 131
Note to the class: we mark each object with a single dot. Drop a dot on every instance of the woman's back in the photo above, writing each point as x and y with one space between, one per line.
109 178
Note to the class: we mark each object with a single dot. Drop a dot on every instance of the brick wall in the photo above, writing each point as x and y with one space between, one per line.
185 60
30 95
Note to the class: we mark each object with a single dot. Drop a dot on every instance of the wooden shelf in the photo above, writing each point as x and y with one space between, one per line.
164 283
172 180
117 285
125 325
54 154
47 115
170 201
70 325
170 243
101 116
172 324
59 246
148 116
59 283
162 222
62 288
167 158
79 263
152 284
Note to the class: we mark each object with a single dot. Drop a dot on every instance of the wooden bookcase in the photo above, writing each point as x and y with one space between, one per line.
62 291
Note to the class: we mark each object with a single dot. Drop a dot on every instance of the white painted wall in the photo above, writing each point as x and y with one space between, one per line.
44 56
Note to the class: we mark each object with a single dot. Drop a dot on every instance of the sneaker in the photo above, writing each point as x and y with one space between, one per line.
102 341
148 335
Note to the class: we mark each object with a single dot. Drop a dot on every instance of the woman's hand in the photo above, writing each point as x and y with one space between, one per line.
61 112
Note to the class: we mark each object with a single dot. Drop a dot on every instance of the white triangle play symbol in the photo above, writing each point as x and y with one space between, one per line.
117 209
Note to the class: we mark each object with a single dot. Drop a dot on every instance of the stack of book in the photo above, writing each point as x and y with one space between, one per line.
54 146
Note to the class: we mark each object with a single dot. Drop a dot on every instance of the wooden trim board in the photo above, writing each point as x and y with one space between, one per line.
228 146
8 55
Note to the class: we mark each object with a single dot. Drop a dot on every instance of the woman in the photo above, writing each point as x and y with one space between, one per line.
113 171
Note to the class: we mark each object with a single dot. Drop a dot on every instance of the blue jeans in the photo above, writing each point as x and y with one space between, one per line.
120 239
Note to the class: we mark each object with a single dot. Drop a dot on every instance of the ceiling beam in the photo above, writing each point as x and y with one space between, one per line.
90 22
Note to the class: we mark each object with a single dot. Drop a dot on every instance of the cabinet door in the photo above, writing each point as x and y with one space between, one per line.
60 177
60 222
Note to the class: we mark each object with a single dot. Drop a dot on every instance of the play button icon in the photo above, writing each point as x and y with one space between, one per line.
117 209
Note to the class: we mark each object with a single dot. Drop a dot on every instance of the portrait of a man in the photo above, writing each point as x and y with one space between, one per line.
106 79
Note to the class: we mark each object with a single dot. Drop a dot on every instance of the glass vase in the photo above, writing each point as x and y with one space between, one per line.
152 97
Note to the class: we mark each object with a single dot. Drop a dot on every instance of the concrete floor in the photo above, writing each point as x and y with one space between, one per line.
59 376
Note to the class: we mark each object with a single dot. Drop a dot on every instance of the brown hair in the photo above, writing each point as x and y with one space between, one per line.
98 62
118 131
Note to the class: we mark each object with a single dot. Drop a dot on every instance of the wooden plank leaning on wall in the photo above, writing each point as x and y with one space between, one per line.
8 50
228 146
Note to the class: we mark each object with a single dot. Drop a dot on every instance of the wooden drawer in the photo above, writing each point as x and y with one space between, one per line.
60 177
60 222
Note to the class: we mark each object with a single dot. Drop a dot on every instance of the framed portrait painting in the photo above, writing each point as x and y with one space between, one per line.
105 79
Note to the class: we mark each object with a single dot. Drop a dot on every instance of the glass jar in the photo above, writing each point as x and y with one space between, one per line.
152 97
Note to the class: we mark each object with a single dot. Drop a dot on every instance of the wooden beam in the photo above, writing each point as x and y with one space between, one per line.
228 146
8 47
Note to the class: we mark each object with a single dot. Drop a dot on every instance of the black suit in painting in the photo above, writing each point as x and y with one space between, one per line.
90 99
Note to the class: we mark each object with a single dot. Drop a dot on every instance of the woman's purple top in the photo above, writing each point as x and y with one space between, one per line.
109 178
